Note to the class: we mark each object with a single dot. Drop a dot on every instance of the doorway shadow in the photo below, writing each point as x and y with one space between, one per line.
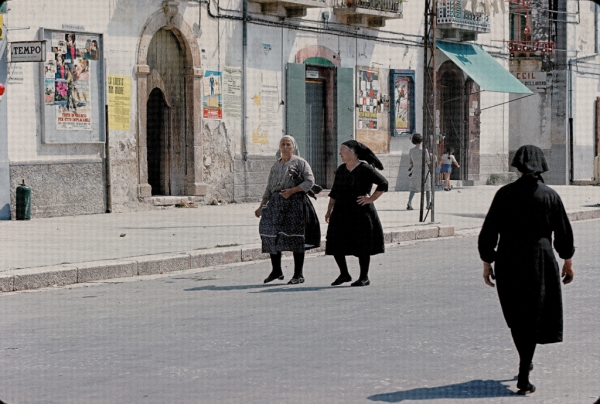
468 390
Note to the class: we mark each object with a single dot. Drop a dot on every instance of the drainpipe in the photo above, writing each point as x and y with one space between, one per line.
571 142
244 52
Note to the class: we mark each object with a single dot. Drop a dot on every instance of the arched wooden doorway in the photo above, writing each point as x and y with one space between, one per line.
169 60
166 63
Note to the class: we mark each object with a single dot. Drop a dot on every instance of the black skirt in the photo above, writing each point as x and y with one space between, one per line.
289 224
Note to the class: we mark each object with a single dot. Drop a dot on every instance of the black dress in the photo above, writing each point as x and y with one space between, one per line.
354 229
525 214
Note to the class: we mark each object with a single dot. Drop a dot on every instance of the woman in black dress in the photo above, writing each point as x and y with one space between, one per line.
354 227
525 215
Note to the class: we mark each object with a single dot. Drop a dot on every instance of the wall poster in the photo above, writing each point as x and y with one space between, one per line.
402 115
232 92
119 102
73 82
212 103
368 98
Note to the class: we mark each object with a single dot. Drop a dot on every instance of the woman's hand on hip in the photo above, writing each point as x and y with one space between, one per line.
488 274
364 200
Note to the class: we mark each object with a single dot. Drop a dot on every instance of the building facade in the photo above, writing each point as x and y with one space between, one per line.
145 102
554 50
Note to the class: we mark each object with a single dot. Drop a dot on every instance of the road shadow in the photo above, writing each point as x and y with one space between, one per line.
264 288
471 215
215 288
467 390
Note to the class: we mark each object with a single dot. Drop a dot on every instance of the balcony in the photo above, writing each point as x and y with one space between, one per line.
288 8
369 13
456 23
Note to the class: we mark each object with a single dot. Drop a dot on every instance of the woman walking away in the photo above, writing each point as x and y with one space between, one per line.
354 227
525 215
446 166
283 211
415 156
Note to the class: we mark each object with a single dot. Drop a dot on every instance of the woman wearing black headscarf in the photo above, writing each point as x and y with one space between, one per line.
525 215
354 226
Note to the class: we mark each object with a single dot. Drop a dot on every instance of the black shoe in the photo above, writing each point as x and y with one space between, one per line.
528 390
408 207
361 282
296 280
341 279
273 276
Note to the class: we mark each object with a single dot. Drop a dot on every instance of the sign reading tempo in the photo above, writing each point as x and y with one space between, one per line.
30 51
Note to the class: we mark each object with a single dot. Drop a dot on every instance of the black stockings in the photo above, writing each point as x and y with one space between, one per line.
526 347
363 262
298 264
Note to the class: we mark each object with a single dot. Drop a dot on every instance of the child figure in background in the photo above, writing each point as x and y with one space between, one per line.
446 163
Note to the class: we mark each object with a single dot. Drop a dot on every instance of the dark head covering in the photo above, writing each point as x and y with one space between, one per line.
530 159
364 153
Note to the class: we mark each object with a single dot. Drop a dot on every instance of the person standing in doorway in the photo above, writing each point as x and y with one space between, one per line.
282 210
354 226
524 219
415 157
446 163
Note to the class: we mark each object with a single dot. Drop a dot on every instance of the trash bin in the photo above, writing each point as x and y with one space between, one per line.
23 202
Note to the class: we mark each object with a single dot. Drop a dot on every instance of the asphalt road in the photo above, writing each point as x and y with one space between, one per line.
427 330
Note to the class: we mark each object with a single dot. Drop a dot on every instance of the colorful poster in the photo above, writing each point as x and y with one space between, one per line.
401 95
211 100
368 96
67 73
119 102
74 109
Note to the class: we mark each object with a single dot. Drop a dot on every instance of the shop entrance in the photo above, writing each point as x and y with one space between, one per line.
315 130
452 125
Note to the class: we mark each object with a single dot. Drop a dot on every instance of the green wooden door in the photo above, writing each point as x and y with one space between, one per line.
296 104
344 78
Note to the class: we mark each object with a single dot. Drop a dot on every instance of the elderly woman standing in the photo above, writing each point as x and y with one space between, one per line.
354 226
415 156
283 210
525 215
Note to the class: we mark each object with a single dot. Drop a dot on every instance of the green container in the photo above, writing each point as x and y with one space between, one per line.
23 202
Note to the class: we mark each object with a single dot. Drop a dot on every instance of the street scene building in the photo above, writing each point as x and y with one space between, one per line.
138 103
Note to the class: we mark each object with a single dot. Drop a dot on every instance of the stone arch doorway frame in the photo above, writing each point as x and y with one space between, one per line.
169 18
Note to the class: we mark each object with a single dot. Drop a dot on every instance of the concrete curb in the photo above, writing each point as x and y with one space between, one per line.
67 274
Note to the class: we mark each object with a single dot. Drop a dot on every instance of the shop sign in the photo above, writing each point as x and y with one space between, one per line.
534 80
30 51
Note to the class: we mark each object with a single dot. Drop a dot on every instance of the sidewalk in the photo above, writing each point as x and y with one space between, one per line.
75 249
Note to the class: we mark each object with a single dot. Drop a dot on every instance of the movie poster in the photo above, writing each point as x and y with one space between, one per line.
368 96
67 73
401 112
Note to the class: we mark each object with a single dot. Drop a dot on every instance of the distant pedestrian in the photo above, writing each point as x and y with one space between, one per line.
283 211
525 215
446 162
415 158
354 226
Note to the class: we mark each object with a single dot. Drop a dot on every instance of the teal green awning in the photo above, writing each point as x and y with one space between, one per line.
482 68
318 61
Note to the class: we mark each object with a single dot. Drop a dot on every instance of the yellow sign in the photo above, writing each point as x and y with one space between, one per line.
119 102
1 27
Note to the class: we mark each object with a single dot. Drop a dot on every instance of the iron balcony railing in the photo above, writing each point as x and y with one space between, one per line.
389 6
450 14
